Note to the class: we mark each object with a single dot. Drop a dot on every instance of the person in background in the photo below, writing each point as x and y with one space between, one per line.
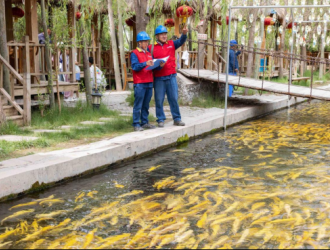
165 78
42 39
233 63
100 79
143 82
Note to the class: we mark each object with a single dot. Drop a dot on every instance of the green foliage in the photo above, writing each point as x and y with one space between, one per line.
208 101
183 139
69 116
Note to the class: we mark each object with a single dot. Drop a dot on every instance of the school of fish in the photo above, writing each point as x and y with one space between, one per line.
268 199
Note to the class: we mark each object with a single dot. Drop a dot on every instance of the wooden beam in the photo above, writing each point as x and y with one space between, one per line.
9 21
72 34
209 54
134 36
11 69
177 26
27 84
31 18
12 102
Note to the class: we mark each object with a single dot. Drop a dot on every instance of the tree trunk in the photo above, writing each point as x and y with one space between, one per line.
282 47
47 57
201 47
121 41
87 72
114 47
252 32
321 70
257 57
141 17
251 44
3 46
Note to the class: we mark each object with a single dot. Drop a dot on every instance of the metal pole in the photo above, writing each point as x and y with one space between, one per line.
290 70
227 72
284 6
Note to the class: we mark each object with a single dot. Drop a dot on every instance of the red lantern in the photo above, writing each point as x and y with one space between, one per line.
17 13
78 15
290 25
184 12
130 22
169 23
269 21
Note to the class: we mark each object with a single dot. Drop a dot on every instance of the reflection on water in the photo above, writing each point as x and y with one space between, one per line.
263 184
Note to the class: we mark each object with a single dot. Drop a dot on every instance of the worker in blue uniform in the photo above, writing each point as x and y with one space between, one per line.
233 62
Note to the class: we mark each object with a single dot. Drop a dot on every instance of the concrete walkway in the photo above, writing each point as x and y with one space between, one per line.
20 175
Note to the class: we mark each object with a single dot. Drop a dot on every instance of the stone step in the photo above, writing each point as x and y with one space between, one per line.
17 119
10 111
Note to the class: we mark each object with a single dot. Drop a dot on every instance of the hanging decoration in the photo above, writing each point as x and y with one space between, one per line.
278 41
319 29
240 18
169 23
280 29
251 18
244 28
243 40
78 15
184 12
17 13
130 22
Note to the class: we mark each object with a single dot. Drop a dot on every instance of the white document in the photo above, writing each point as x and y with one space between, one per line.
161 59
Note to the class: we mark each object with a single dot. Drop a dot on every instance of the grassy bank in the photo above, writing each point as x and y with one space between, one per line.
77 135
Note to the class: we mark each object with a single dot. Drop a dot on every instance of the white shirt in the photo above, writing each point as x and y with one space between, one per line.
100 79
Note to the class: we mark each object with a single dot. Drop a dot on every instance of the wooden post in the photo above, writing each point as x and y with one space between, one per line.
209 54
72 34
31 19
9 21
27 84
177 26
134 36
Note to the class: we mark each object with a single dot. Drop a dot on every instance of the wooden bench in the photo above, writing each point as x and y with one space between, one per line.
299 79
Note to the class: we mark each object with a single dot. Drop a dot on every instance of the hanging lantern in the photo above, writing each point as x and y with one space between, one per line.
269 21
290 25
169 23
184 12
17 13
130 22
78 15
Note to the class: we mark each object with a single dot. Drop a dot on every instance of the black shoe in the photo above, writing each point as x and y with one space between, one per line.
148 126
179 123
137 129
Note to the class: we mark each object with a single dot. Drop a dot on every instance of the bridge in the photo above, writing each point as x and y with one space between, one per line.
274 87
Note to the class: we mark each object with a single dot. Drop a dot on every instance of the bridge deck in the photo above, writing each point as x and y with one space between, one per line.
279 88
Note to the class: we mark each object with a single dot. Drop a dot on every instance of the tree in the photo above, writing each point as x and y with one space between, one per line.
114 46
204 14
121 40
3 46
142 19
47 57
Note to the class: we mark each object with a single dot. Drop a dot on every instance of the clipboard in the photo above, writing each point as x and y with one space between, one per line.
157 63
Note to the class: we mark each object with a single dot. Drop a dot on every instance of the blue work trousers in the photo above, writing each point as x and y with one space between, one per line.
170 88
231 87
142 95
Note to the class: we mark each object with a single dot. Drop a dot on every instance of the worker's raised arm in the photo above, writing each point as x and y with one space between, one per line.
178 43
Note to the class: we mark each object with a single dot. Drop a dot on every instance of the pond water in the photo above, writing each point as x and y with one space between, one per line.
262 184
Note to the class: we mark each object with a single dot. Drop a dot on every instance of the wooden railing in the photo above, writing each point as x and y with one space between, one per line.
24 80
38 65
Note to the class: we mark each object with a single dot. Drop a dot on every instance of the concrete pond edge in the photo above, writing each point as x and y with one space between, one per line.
25 175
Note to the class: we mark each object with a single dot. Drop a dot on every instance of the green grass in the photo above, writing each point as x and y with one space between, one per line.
208 101
68 116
